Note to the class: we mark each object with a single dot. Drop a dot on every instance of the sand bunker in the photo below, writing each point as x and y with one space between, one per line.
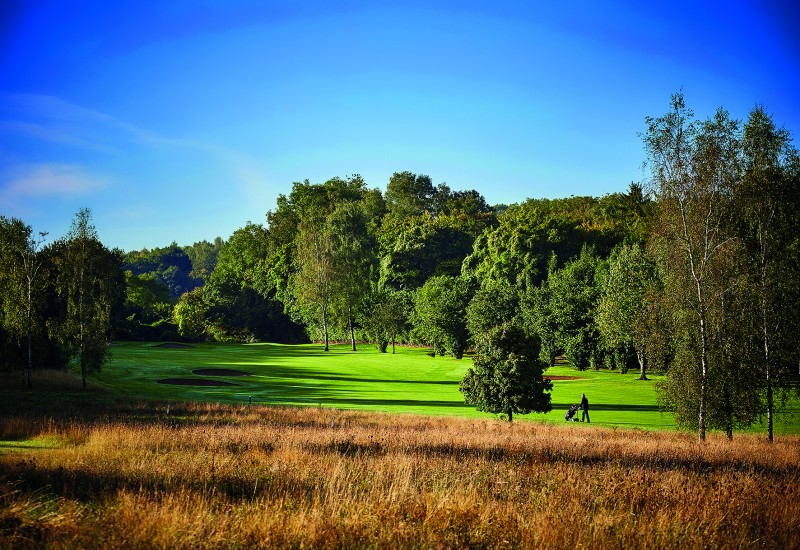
195 382
173 345
220 372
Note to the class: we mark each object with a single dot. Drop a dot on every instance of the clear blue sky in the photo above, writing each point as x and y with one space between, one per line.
182 120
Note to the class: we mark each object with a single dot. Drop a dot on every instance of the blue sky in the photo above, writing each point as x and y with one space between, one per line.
181 120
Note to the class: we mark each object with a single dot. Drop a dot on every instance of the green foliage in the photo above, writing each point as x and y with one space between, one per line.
424 246
239 262
314 279
23 271
409 194
241 296
385 316
190 314
427 230
440 308
354 262
90 283
623 305
573 293
519 248
769 211
493 305
507 374
538 316
203 256
316 271
702 175
170 265
147 300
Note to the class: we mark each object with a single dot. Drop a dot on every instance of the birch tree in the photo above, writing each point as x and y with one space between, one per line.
353 260
89 283
314 278
623 301
769 205
694 173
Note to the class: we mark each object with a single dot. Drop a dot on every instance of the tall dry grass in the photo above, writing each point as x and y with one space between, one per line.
221 476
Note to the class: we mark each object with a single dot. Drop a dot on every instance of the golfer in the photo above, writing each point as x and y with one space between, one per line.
584 408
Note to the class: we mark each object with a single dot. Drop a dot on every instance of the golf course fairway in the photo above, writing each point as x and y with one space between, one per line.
409 381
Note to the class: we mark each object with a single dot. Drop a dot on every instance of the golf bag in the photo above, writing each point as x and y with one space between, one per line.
570 414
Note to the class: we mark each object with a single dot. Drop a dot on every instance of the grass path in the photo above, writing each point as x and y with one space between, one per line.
407 382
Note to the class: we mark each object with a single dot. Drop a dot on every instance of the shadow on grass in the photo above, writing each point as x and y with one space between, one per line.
393 402
278 373
614 407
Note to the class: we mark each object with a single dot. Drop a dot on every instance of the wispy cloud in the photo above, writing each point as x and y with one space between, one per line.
56 156
55 120
38 181
51 134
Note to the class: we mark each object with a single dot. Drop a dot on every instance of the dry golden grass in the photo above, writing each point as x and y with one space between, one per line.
221 476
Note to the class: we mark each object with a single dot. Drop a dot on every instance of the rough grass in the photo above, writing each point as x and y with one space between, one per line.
173 475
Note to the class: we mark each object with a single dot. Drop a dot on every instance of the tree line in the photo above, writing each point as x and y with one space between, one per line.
693 273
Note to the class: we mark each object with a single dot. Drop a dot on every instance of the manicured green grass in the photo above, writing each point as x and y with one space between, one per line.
409 381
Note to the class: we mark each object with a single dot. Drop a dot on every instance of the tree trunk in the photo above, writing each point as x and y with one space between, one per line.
352 330
640 358
29 381
769 408
701 429
510 416
392 344
767 371
82 343
325 326
701 307
701 432
30 362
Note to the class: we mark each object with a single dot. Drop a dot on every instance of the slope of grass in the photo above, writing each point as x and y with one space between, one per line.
409 381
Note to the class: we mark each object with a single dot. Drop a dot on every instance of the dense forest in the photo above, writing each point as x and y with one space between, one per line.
695 272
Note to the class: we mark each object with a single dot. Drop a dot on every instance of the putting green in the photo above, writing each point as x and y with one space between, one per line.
409 381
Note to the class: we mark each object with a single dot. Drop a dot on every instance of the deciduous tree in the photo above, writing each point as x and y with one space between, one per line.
507 374
354 262
314 279
494 304
439 317
622 309
385 316
190 314
574 292
768 207
695 168
89 283
21 280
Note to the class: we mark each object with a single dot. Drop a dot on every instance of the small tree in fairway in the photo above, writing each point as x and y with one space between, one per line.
507 374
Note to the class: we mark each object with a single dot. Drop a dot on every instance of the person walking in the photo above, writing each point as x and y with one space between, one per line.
584 408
